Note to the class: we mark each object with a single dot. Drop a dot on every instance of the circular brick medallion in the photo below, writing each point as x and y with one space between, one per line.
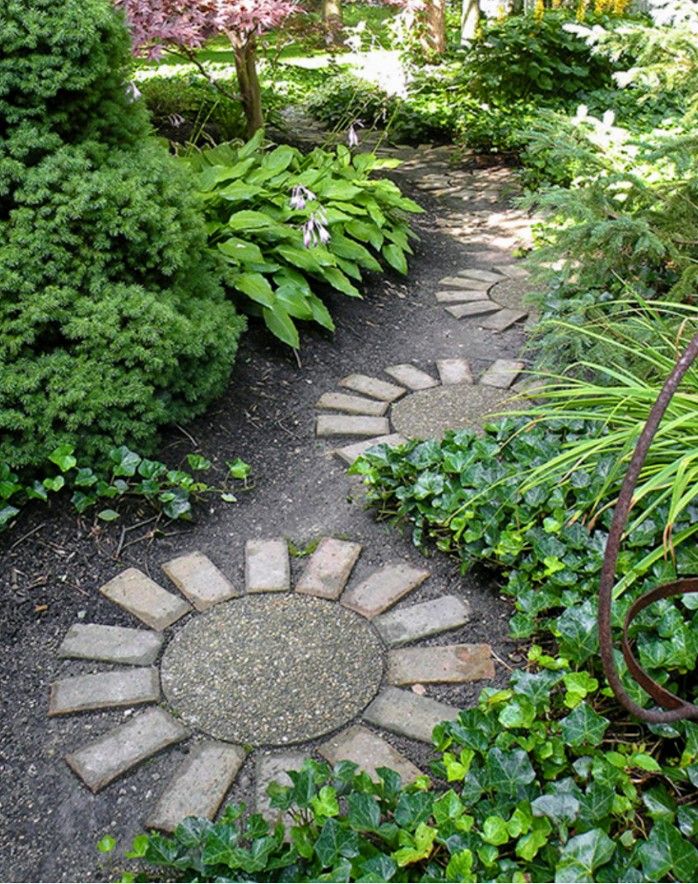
428 414
272 669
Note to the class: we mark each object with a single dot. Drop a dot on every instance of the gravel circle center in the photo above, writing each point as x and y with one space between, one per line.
428 414
272 669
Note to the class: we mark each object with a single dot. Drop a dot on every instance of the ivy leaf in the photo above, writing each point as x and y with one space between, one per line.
413 808
363 812
238 469
376 869
583 727
63 458
508 771
583 855
495 831
106 844
108 515
420 849
334 842
325 802
460 867
560 807
665 852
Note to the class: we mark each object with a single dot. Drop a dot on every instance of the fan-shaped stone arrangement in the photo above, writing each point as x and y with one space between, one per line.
413 403
258 670
494 296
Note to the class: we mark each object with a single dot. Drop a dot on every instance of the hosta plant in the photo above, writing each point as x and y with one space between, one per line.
289 224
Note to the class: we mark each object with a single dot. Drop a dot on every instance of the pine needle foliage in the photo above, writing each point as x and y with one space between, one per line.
113 318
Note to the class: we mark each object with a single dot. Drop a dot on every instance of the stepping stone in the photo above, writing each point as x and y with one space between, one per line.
102 690
476 308
513 271
382 589
408 714
199 785
502 373
371 386
454 371
419 621
504 319
369 751
273 769
111 755
341 425
411 377
267 566
113 644
482 275
196 577
329 568
350 452
136 593
459 296
459 282
437 665
352 404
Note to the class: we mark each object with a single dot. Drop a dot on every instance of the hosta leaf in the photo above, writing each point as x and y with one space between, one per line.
281 325
249 219
255 286
395 256
241 251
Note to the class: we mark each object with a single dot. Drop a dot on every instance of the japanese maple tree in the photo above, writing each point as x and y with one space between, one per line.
185 25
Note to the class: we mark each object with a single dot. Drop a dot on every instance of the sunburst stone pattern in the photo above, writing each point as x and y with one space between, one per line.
496 297
281 670
415 403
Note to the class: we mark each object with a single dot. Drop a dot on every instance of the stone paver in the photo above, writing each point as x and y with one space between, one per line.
408 714
384 588
454 371
273 769
474 308
112 644
136 593
341 425
502 373
460 282
404 625
349 453
503 320
411 377
513 271
480 275
328 570
102 690
428 414
371 386
449 663
369 751
198 786
196 577
460 296
352 404
111 755
267 566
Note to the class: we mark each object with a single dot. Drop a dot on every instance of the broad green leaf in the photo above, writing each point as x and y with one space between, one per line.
241 251
281 325
63 458
420 846
583 727
239 191
494 830
249 219
560 807
255 286
667 852
395 256
108 515
106 844
508 771
334 842
583 855
325 802
363 813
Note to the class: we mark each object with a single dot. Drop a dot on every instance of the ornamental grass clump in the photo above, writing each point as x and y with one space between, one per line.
114 320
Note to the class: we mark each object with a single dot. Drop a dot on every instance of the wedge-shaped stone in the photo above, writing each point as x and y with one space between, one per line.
273 769
136 593
459 296
328 570
196 577
104 690
267 566
111 755
384 588
352 404
350 452
480 275
449 663
343 425
459 282
502 373
503 320
112 644
369 751
373 387
199 785
411 377
475 308
513 271
406 625
454 371
408 714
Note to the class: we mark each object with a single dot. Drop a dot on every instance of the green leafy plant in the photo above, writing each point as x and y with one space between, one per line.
114 319
128 476
286 223
344 98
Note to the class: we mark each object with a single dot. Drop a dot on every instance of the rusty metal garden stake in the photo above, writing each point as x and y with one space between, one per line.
675 709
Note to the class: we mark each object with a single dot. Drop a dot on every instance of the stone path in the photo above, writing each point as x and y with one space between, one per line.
416 403
263 667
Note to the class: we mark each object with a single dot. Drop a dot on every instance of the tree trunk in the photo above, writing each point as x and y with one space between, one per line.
435 27
332 18
469 21
248 81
